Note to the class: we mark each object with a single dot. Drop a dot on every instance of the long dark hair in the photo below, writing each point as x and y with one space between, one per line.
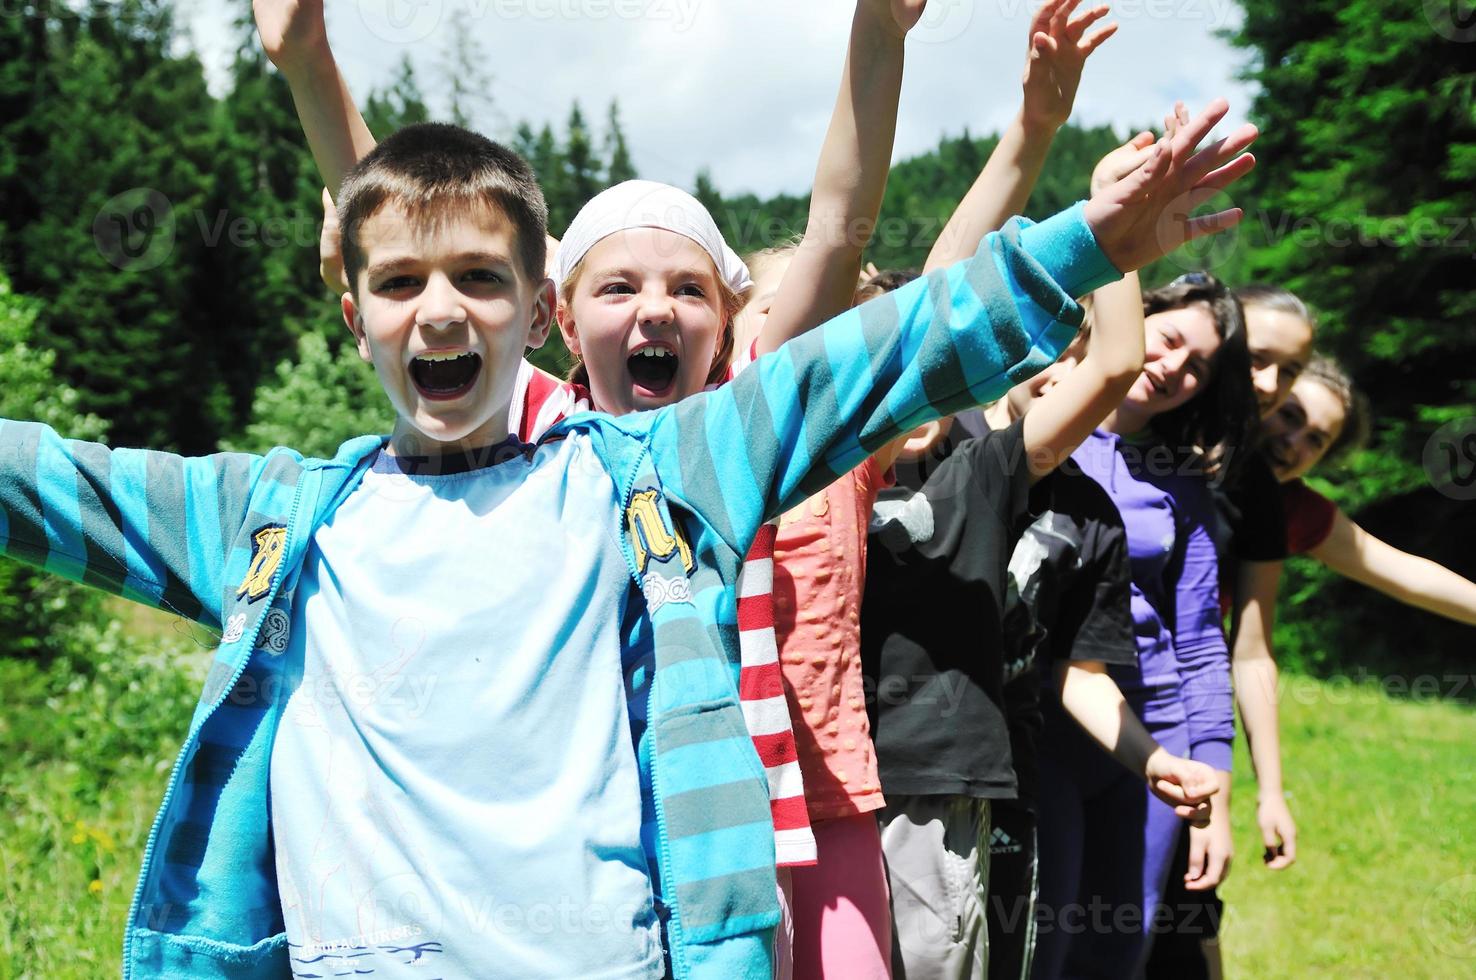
1219 422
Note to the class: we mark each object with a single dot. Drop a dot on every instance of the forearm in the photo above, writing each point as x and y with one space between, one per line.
813 411
1093 698
850 181
336 133
1354 553
1062 418
1001 190
1256 693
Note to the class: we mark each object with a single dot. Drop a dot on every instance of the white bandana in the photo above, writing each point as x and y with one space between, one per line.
647 204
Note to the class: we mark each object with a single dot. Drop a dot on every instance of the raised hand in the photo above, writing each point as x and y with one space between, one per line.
330 250
1147 214
1122 161
292 31
1059 47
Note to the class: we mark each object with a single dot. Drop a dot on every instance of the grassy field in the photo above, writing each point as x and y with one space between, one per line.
1384 793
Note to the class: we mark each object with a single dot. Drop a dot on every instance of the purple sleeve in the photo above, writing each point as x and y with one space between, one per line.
1199 636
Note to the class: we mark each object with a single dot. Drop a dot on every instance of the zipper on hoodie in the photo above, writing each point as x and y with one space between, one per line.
190 739
675 948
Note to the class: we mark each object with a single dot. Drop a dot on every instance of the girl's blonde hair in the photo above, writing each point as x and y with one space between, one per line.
732 302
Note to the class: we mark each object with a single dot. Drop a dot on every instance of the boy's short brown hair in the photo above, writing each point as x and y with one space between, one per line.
433 170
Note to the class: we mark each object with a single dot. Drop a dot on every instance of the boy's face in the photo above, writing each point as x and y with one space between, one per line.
444 314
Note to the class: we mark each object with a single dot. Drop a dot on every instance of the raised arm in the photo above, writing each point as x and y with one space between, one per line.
814 410
851 177
151 527
1253 668
1059 47
296 40
1354 553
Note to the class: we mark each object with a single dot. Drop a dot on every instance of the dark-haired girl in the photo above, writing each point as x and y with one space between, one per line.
1106 844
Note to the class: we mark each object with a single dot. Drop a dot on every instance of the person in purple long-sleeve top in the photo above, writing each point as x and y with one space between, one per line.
1105 844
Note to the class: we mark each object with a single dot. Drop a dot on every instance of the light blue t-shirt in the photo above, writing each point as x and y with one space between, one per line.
454 791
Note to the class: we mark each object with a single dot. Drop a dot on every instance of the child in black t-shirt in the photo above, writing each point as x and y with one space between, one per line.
942 627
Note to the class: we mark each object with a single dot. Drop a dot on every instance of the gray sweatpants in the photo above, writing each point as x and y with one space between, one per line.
937 851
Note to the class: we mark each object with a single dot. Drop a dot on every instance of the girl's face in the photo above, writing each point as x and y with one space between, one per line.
1302 429
1179 348
1280 347
645 316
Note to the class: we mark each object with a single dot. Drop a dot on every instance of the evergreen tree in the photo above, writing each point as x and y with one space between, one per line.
620 168
468 85
122 167
581 169
1361 202
401 103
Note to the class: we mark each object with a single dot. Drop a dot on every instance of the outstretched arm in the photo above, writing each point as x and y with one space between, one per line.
1253 668
296 40
1092 697
1354 553
151 527
1059 47
851 177
810 412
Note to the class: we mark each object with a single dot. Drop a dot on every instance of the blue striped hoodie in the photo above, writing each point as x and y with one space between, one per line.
221 540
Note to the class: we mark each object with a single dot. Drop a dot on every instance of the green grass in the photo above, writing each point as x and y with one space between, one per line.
1383 790
1384 794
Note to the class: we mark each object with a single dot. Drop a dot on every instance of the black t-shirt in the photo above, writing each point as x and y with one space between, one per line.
1069 594
1252 526
932 615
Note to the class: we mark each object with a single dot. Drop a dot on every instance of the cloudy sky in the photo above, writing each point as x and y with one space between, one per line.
745 87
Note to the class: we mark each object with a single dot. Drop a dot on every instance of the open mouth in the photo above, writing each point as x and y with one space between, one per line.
654 369
1158 386
443 375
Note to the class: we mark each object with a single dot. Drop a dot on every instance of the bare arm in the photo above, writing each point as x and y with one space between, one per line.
1354 553
1058 49
850 178
1066 414
1092 697
1253 667
296 40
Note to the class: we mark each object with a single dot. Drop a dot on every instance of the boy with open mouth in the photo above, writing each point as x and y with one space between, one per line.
577 795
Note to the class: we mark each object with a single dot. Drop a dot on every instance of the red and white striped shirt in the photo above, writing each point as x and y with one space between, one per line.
539 402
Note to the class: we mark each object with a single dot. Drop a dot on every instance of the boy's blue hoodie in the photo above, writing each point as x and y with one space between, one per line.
222 539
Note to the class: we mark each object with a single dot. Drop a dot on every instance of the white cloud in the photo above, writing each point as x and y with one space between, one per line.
746 89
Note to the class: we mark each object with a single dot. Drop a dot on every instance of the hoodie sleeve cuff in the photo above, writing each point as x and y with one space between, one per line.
1065 246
